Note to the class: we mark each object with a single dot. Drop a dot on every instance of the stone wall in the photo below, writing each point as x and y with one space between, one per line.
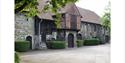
89 30
85 30
23 27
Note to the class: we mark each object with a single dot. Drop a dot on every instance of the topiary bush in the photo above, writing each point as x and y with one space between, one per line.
91 42
56 44
22 46
79 43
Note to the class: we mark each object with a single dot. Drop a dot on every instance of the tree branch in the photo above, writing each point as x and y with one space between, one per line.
21 8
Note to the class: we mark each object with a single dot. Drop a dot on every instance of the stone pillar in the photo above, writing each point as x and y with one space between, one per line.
75 39
36 42
66 38
39 35
88 31
37 39
85 31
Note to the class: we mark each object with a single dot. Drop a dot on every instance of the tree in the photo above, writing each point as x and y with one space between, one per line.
106 22
29 7
106 19
54 6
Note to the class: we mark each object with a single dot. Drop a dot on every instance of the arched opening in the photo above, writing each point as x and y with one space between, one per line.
29 38
79 36
70 40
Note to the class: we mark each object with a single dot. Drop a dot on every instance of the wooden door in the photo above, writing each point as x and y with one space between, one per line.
70 40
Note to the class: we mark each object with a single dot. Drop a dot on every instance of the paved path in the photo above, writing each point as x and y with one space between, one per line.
85 54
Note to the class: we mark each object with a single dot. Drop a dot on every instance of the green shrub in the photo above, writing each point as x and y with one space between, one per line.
56 45
17 58
91 41
22 46
79 43
98 38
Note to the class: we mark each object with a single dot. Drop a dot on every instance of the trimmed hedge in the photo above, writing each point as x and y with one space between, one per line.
79 43
22 46
98 38
91 42
56 45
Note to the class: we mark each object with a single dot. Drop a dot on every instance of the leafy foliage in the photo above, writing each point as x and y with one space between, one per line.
17 59
106 20
106 17
55 5
29 7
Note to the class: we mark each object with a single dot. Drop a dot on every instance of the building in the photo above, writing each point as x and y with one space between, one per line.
91 25
76 23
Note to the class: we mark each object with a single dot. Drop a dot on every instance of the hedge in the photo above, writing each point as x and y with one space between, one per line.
56 44
98 38
79 43
22 46
91 42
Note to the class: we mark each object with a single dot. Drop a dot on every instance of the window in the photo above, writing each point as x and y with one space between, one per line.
73 22
94 27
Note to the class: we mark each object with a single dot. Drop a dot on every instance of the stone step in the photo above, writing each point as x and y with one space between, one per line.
43 45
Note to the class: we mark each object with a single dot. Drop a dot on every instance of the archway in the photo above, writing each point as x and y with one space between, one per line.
70 40
29 38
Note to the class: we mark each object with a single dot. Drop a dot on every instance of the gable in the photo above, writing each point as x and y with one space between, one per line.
73 10
70 9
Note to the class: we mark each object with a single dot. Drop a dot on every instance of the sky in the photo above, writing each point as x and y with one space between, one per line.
97 6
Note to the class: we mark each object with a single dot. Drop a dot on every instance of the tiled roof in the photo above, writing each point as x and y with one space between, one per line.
89 16
69 8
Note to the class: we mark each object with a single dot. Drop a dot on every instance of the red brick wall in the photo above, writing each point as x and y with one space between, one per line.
78 22
67 20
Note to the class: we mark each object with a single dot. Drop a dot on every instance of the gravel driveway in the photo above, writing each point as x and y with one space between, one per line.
85 54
